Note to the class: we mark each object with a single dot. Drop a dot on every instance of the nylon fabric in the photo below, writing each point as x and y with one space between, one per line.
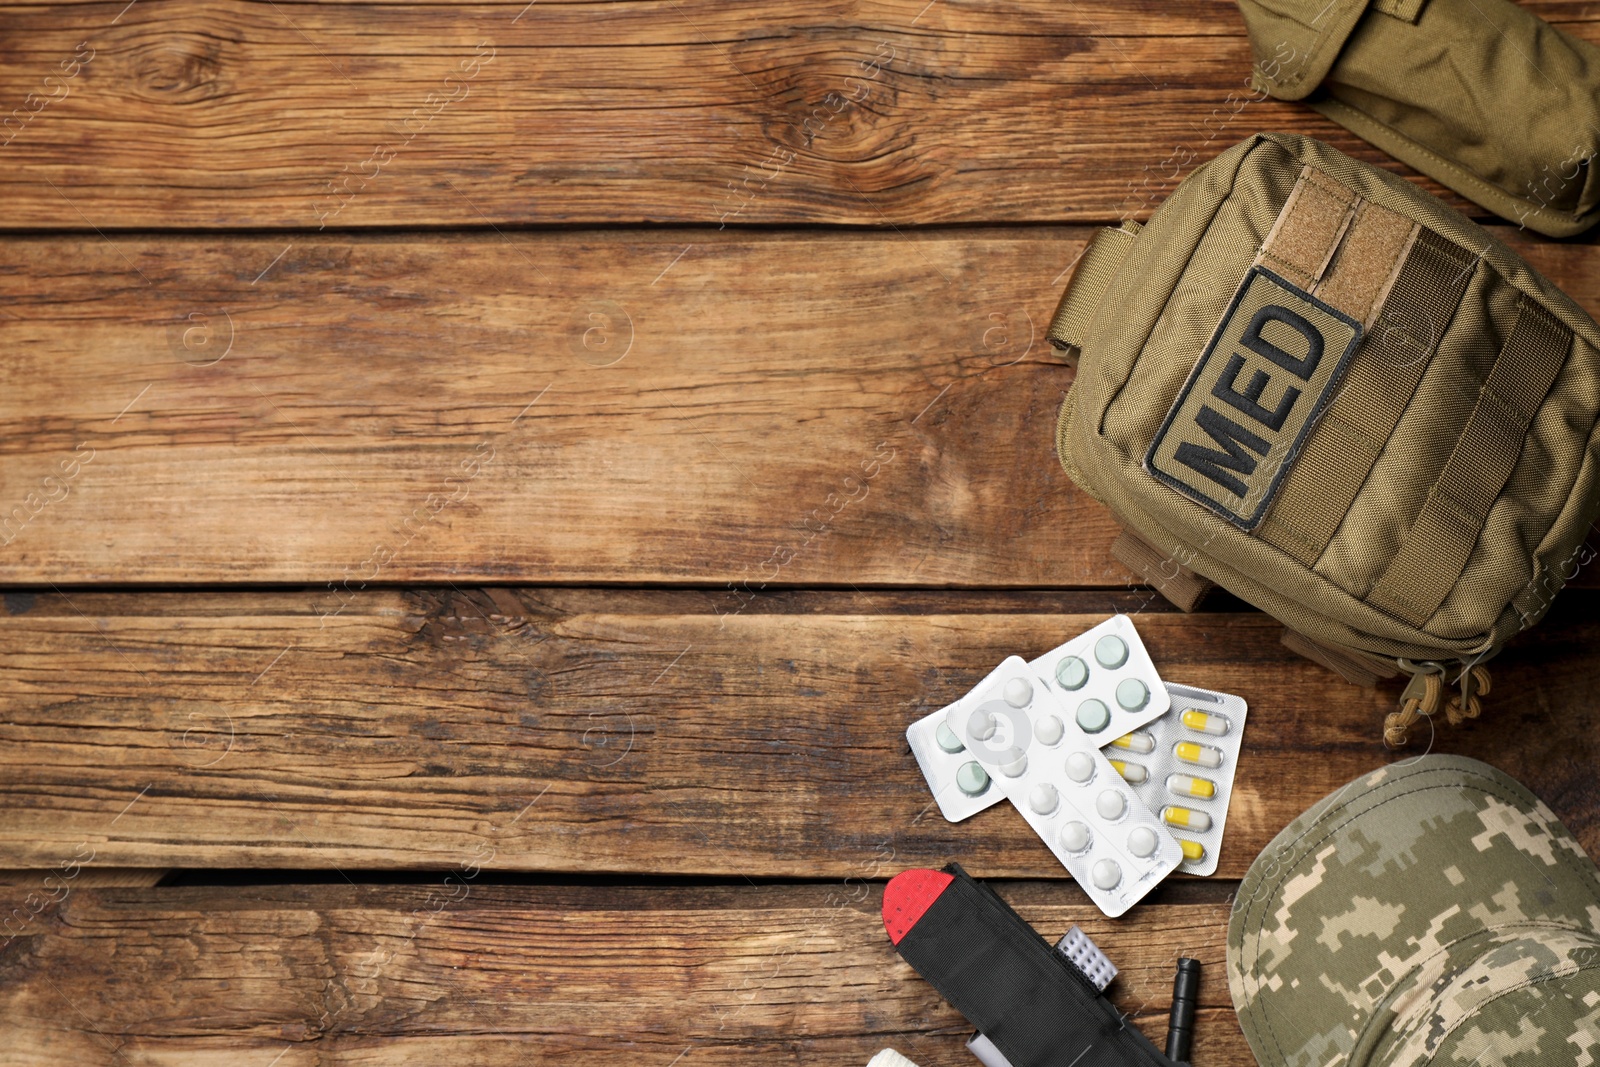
1340 453
1296 43
1222 227
1408 10
1481 95
1446 312
1433 556
1028 999
1408 466
1093 274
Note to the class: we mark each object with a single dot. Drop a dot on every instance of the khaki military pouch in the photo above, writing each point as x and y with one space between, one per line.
1481 95
1313 383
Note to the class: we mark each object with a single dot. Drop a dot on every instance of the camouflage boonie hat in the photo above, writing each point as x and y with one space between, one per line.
1433 912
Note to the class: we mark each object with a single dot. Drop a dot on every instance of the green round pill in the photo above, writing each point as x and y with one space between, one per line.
1093 716
947 738
1132 694
1072 673
972 779
1111 651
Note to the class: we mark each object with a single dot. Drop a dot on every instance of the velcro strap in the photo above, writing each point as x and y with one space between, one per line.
1301 244
1435 552
1090 280
1340 248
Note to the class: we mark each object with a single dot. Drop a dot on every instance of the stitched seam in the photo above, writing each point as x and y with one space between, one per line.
1166 304
1462 174
1503 993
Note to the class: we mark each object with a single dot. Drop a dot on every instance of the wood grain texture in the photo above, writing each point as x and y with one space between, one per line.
496 975
85 878
585 732
220 113
823 409
726 413
600 407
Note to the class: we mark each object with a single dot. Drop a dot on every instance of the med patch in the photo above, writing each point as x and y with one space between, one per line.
1262 382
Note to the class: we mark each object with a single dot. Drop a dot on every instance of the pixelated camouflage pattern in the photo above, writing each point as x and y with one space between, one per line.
1433 912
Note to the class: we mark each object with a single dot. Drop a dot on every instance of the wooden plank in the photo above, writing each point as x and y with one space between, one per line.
825 409
222 113
687 733
81 877
497 975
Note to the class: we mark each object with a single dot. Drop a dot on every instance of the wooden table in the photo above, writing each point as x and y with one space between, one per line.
486 487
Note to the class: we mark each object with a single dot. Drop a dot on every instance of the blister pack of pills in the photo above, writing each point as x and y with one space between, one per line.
1105 677
1014 726
1085 955
1182 767
960 784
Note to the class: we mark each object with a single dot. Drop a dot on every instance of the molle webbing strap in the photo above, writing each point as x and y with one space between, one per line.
1096 267
1317 492
1436 550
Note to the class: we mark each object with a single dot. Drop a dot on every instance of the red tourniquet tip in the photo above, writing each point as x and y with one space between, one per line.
907 896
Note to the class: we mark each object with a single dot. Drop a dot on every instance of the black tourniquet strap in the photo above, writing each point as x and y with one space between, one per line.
1037 1008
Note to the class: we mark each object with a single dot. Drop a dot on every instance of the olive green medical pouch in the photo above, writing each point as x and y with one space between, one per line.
1315 384
1481 95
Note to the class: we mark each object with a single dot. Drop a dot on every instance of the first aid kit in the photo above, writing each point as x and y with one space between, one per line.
1315 384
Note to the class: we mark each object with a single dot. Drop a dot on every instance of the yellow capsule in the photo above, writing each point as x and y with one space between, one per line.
1200 755
1131 772
1186 818
1183 785
1193 851
1138 741
1199 721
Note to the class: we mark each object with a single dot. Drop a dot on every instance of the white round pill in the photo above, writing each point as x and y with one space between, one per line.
972 779
1075 837
1019 692
1043 798
1093 716
1111 805
1143 842
1132 694
947 738
1048 730
1080 767
1111 651
980 725
1107 874
1072 673
1014 763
